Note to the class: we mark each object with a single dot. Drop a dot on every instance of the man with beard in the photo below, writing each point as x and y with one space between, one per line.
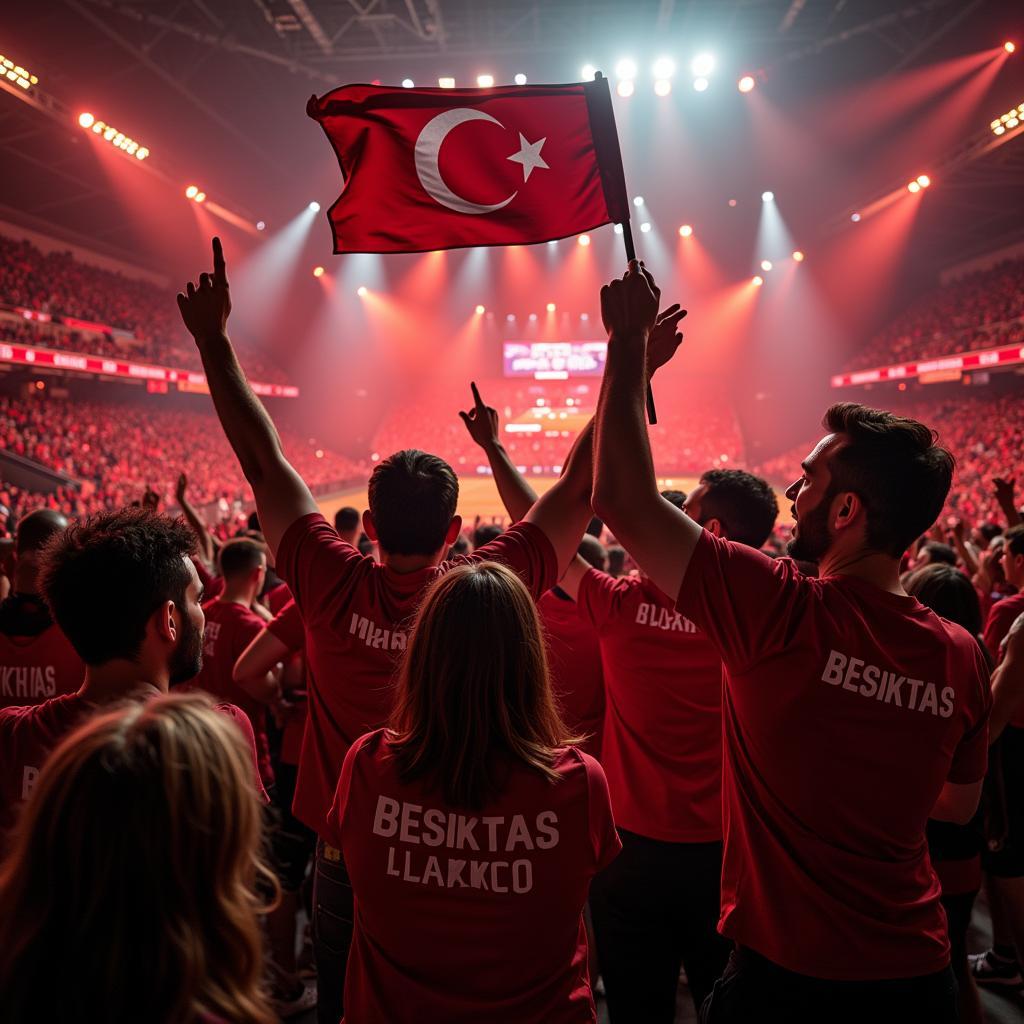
851 712
122 588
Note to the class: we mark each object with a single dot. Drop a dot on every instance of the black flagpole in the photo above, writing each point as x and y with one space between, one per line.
627 238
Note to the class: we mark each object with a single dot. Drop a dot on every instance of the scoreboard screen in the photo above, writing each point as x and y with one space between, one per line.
554 360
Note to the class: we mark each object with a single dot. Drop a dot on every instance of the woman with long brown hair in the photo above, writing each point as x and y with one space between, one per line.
472 826
129 891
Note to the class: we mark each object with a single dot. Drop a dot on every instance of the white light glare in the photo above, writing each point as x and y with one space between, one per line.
702 65
485 81
701 84
767 197
407 83
626 69
520 79
664 67
314 206
588 72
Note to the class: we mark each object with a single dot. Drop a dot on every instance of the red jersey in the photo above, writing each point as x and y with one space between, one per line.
662 749
29 734
277 598
470 916
1000 619
37 661
230 628
574 660
356 613
846 708
288 627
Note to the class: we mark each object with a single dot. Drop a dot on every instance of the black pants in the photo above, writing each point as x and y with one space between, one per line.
655 907
755 989
332 932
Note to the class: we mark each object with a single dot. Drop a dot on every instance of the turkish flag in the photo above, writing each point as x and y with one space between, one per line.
432 169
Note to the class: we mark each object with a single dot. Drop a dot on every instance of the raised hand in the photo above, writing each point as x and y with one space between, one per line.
481 421
629 305
181 487
150 499
1003 490
205 307
664 339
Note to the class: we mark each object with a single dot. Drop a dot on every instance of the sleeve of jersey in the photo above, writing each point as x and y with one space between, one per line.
996 627
604 839
336 816
598 596
316 564
241 719
970 761
288 628
743 600
526 550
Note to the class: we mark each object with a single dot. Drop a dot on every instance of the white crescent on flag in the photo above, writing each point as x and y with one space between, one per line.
428 150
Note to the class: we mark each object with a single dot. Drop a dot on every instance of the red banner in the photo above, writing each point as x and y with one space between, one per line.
983 359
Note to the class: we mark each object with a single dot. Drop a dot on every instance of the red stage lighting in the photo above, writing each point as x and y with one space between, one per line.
584 240
746 83
798 256
914 187
361 291
318 271
685 231
923 180
1009 47
480 310
757 280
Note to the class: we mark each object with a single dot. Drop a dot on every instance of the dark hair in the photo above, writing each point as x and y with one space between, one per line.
990 530
103 578
616 560
592 551
253 522
240 556
678 498
939 552
36 529
474 684
1015 540
595 527
485 533
743 503
346 519
412 497
895 466
948 592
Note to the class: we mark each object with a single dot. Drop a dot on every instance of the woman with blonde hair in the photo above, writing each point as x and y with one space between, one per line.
129 893
472 826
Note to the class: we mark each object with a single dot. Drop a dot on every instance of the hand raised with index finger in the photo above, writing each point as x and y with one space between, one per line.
205 307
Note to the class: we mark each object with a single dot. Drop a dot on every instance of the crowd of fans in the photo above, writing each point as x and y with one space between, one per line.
980 310
58 284
118 450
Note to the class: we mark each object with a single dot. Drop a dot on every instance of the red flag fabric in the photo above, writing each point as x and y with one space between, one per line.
433 169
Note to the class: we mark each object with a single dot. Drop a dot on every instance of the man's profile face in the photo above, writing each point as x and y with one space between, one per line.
187 657
812 499
693 502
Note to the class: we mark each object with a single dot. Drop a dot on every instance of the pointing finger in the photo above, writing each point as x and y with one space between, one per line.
219 268
476 395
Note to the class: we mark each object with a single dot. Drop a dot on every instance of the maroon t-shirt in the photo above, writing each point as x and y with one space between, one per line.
287 626
36 668
28 735
574 660
356 613
470 916
846 709
662 749
230 628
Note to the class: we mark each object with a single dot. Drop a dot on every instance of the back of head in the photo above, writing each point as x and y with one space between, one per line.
616 560
241 557
412 497
473 686
948 592
896 468
678 498
36 529
595 527
593 552
938 552
486 533
1014 540
744 505
104 577
346 520
133 867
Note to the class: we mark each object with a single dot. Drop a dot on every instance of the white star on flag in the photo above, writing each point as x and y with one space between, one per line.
529 156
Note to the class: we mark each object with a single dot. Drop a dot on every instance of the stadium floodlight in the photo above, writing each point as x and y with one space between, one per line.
408 83
798 256
625 69
923 180
510 317
1009 47
551 307
192 191
1008 121
662 87
767 196
261 225
685 231
625 88
318 271
15 73
855 217
618 229
520 79
200 197
746 83
638 200
361 291
584 240
701 84
664 67
480 310
588 72
757 280
533 317
485 81
702 65
446 83
116 138
314 206
913 187
766 265
645 227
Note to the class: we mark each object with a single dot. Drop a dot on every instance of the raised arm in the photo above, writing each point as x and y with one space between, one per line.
203 537
516 494
1008 682
281 494
1003 490
659 536
256 668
